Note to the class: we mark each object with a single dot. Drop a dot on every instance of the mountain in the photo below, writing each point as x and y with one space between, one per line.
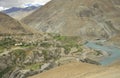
9 25
94 19
10 10
15 9
18 13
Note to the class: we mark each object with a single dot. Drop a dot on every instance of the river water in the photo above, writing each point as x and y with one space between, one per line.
113 51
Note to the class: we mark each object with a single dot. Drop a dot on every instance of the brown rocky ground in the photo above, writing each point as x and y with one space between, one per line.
81 70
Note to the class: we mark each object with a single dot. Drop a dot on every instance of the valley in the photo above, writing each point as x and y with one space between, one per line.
62 39
31 54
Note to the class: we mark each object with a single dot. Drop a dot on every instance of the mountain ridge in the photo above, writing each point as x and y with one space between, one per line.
9 25
18 12
85 18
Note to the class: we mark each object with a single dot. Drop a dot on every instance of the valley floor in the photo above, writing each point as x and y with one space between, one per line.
51 56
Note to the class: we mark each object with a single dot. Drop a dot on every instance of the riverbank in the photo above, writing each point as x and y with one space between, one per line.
113 53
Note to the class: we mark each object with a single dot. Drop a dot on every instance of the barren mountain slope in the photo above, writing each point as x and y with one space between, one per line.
20 14
85 18
81 70
9 25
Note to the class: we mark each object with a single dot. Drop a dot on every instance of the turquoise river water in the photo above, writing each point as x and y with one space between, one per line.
113 51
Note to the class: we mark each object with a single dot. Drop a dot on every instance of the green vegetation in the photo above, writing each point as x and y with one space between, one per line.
5 71
45 44
19 49
80 49
19 52
60 38
46 54
68 42
67 49
7 43
1 49
33 66
97 53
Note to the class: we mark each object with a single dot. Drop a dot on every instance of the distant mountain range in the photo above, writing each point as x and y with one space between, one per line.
18 12
15 9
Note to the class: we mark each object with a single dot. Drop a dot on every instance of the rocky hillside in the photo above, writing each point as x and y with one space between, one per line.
8 25
85 18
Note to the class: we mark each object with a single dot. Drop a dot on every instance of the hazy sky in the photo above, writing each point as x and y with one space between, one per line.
19 3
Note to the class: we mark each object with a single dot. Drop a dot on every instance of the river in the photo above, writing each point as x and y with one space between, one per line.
113 51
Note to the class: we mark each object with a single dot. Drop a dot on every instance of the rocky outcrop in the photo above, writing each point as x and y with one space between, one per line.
87 60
